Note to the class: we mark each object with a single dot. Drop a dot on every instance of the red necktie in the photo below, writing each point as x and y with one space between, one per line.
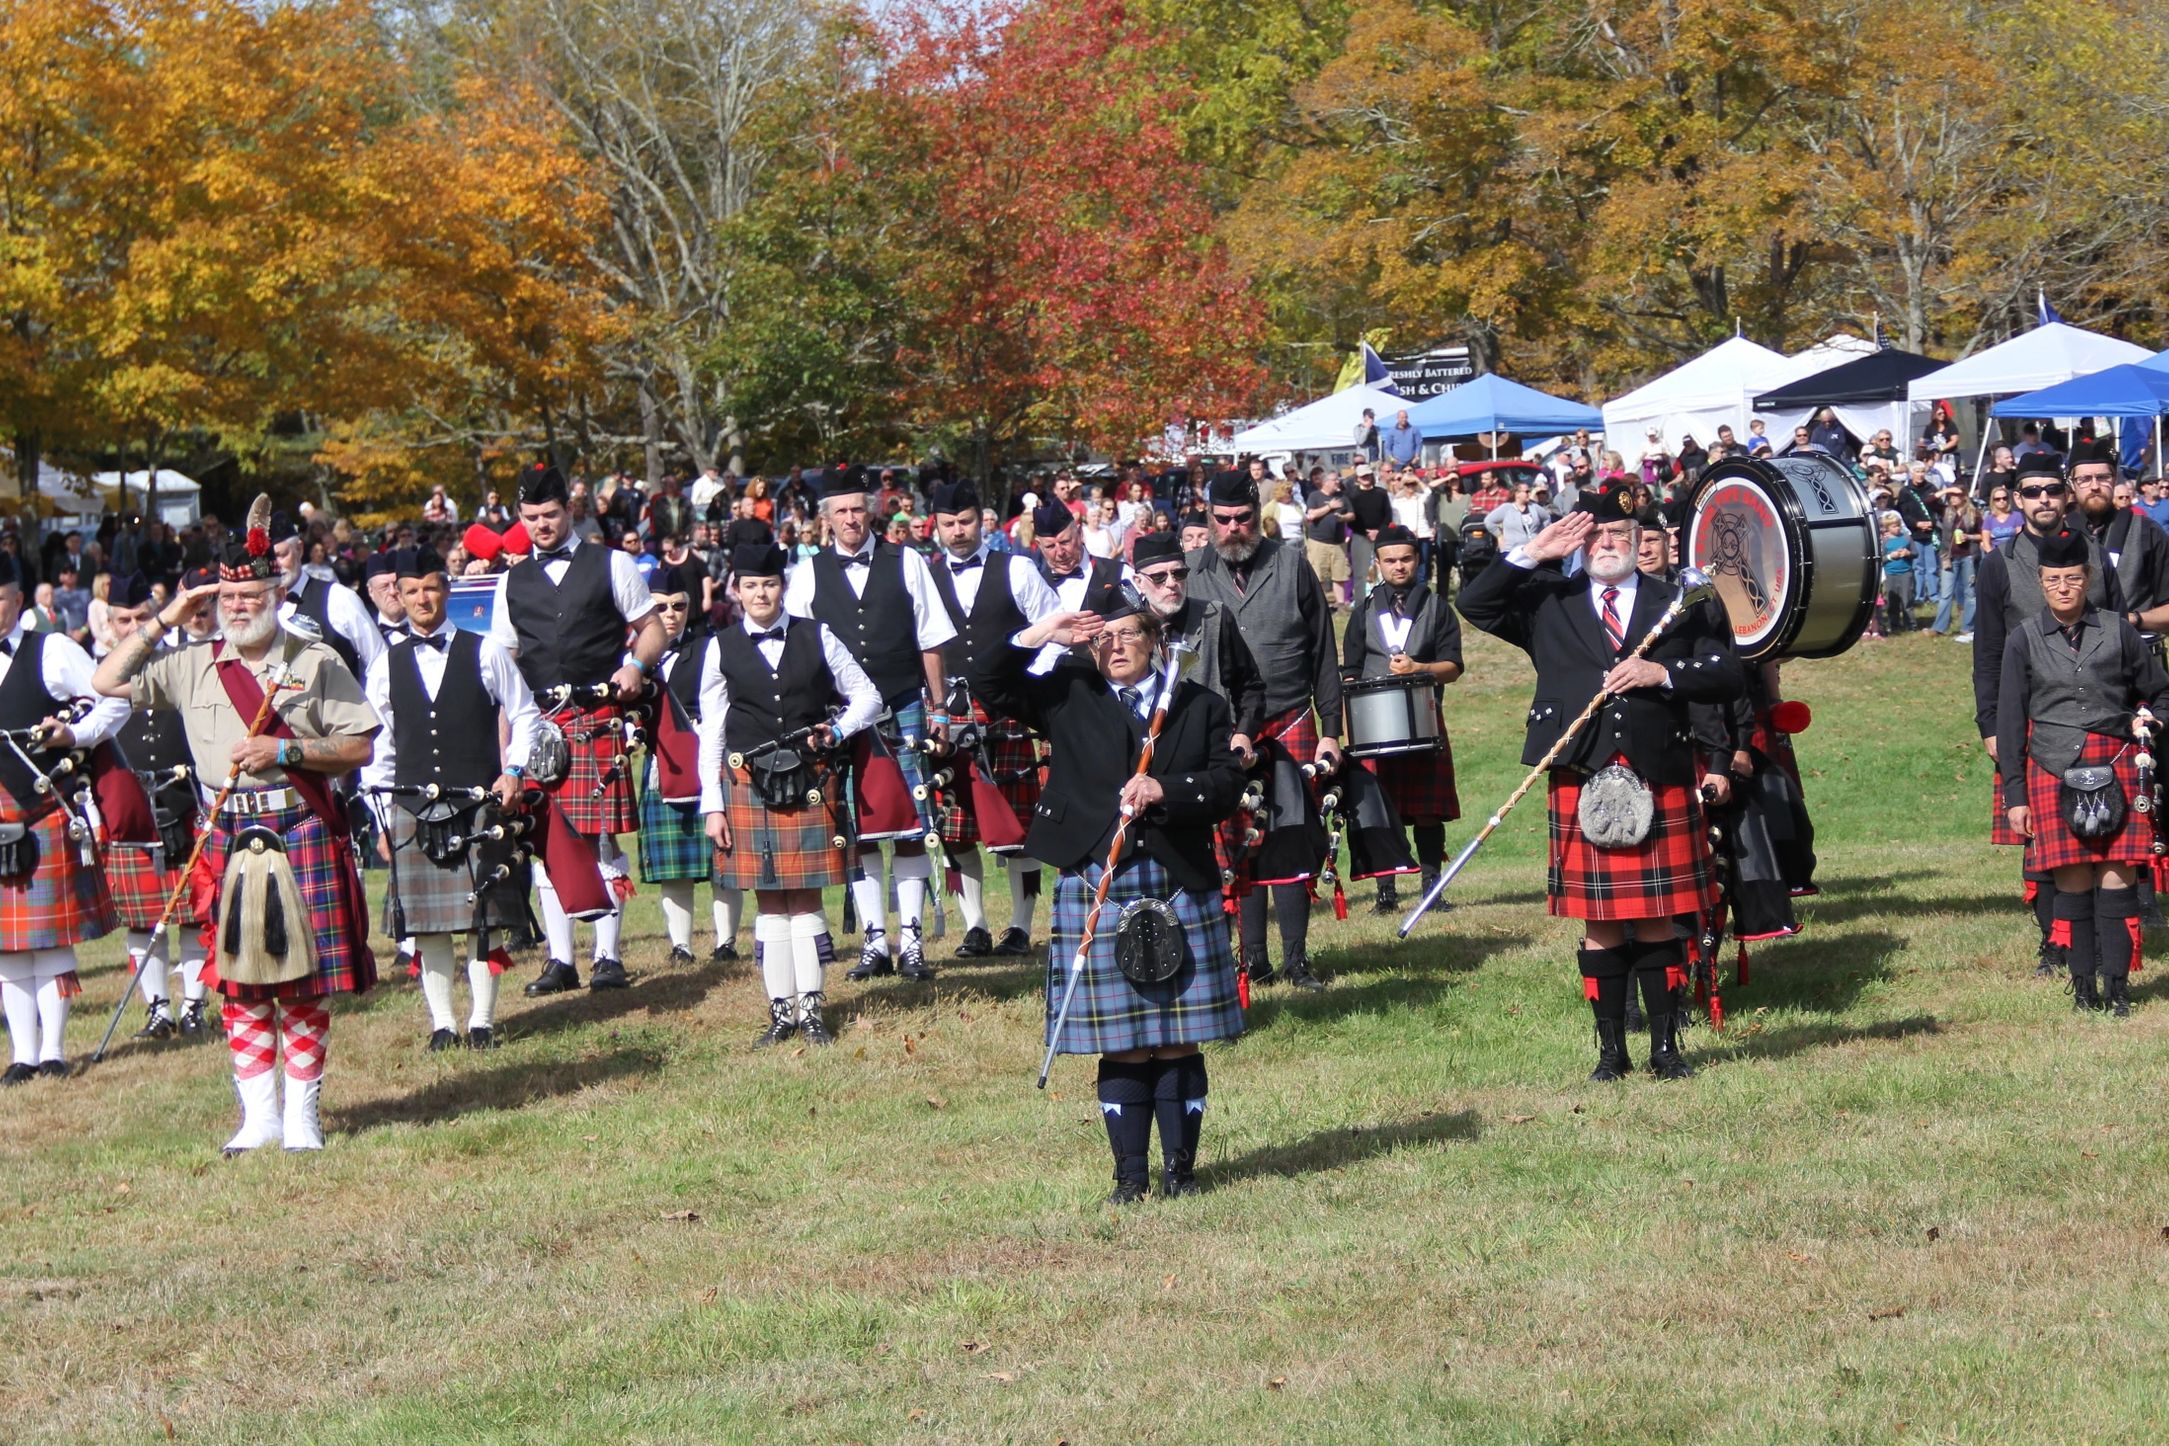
1612 626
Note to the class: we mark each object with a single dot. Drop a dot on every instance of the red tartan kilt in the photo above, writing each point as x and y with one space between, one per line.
1296 731
1666 874
1421 785
1014 754
344 964
789 848
2055 846
60 902
613 812
1999 822
140 886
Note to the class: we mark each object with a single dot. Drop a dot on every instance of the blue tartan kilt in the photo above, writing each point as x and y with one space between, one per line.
673 840
1110 1013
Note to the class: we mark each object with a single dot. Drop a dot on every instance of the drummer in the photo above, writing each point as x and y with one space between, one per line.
1402 629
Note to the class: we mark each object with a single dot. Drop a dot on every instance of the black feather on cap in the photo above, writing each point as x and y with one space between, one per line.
947 498
1607 504
417 562
541 484
132 591
2040 464
758 559
1155 547
1052 519
1232 489
2063 548
1393 535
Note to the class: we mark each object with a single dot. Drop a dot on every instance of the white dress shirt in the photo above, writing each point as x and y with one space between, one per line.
500 679
627 588
929 619
1034 598
1519 557
348 615
66 671
862 701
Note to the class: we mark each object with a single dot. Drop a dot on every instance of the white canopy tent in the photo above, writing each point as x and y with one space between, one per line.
1695 399
1326 425
180 498
2027 362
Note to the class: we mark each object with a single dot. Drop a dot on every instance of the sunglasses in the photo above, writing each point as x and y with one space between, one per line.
2042 489
1234 519
1166 575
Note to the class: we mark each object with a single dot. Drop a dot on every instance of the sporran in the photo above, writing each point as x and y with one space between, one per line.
2092 803
1616 809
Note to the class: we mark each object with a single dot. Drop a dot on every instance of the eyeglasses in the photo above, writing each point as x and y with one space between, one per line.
2042 489
1165 576
1234 519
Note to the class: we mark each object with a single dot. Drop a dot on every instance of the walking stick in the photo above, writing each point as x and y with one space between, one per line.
274 685
1694 588
1169 673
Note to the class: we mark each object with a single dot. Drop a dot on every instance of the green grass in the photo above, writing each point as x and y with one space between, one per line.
1909 1194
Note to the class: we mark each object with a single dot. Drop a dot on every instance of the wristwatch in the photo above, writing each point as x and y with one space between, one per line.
517 770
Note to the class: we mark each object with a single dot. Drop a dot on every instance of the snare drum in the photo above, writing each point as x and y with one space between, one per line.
1791 543
1392 714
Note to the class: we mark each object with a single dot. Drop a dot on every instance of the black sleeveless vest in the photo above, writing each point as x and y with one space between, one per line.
24 703
683 679
766 705
451 740
314 603
154 740
876 625
569 631
994 617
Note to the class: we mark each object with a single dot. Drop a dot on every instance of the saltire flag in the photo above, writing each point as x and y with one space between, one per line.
2044 313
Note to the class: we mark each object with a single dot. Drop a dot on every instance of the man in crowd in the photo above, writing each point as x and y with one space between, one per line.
1400 443
1517 520
337 614
1326 515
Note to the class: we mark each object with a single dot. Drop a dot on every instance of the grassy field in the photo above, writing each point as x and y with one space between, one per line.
1908 1196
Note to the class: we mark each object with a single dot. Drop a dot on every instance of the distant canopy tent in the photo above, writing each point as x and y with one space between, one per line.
2133 390
1491 405
180 497
1868 393
1694 399
2029 362
1326 425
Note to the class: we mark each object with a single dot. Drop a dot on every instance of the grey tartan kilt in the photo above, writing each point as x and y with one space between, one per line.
1110 1013
429 898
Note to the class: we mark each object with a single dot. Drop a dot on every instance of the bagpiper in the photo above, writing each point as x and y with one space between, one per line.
277 716
675 852
990 597
768 685
563 612
53 895
143 876
878 600
440 692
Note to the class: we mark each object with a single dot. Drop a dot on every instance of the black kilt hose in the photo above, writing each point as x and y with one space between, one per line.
781 848
2054 846
1664 875
1111 1013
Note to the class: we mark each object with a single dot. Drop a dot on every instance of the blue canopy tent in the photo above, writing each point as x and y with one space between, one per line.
2133 389
1492 404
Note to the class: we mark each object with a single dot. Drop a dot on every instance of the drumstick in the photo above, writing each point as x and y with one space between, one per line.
1169 672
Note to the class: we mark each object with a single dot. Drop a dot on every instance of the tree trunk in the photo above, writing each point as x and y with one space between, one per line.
29 456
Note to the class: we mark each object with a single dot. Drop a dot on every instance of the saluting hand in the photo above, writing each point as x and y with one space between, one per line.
1562 538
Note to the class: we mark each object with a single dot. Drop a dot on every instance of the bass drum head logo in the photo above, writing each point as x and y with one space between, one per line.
1738 539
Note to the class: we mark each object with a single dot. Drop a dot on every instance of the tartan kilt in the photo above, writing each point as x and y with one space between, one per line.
2055 846
1421 785
61 901
141 883
343 964
592 738
1013 753
426 897
673 840
1296 731
1666 874
1110 1013
780 848
1999 824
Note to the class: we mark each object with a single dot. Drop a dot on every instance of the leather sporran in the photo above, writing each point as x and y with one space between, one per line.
2092 803
176 832
781 777
1148 942
441 829
1616 808
18 851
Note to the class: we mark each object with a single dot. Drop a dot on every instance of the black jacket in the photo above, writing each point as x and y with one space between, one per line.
1549 616
1096 741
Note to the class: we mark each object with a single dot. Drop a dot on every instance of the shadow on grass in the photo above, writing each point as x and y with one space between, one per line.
1346 1145
1821 972
509 1086
660 991
1788 1040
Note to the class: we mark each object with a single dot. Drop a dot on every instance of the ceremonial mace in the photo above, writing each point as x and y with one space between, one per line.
1170 673
1695 588
274 685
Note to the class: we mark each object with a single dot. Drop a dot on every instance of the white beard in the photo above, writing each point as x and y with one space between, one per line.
252 634
1611 568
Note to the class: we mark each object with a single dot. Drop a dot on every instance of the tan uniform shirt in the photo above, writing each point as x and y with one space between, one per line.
328 703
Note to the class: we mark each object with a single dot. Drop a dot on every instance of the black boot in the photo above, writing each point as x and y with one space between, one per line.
1178 1107
1259 967
1125 1092
1299 975
1604 983
1389 896
1665 1060
2117 944
1612 1060
1659 970
810 1023
782 1024
556 978
2119 995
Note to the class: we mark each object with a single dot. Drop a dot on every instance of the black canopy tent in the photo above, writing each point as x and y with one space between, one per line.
1880 376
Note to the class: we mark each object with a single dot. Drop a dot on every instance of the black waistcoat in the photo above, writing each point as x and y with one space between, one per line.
451 740
24 703
766 705
569 631
877 625
313 602
154 740
683 675
994 617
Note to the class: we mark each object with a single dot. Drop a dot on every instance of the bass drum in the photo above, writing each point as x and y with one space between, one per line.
1790 543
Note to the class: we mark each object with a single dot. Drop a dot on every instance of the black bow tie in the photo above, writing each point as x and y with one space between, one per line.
439 641
7 647
855 559
554 554
965 566
1058 578
772 635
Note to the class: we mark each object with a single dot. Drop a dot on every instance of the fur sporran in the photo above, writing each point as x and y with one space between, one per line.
1616 808
264 936
2092 803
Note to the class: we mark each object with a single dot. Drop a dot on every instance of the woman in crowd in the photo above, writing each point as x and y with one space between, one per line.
2002 520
